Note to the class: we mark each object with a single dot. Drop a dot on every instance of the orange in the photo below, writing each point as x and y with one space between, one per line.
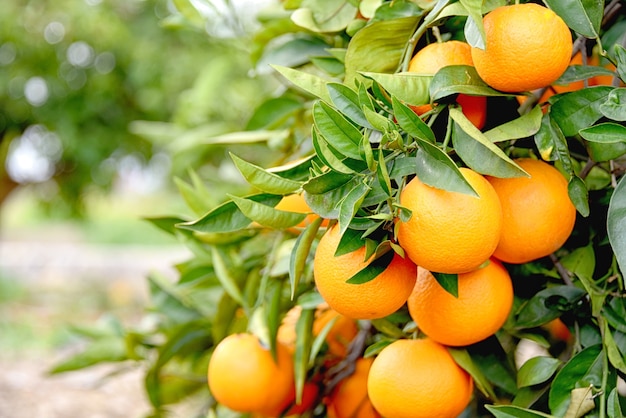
418 379
538 215
435 56
296 203
377 298
349 398
450 232
528 46
286 333
340 334
289 407
558 330
485 298
243 376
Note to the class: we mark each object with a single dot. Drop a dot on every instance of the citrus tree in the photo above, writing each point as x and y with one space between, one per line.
428 220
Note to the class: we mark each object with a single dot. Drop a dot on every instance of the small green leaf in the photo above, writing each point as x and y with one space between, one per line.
463 359
350 204
300 254
228 282
408 87
228 217
327 154
378 121
263 179
615 105
548 304
383 174
510 411
326 182
525 126
604 133
537 370
310 83
411 122
455 79
304 341
449 282
579 109
341 134
267 215
324 16
615 356
614 408
579 195
435 168
474 24
616 223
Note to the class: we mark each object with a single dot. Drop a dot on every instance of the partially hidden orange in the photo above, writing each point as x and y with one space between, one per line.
349 398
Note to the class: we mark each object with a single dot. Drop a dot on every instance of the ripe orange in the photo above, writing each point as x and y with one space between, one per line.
289 407
349 398
538 215
296 203
286 334
418 379
434 57
528 46
558 330
485 298
450 232
341 333
243 376
377 298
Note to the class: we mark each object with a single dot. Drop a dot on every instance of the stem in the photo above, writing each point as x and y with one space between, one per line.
605 370
446 139
562 270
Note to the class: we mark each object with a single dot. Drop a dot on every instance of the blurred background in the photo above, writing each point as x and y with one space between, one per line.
101 105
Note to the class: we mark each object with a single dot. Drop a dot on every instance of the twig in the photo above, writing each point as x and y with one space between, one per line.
562 270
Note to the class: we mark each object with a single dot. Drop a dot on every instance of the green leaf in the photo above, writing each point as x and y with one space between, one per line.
449 282
435 168
537 370
383 173
267 215
350 204
378 121
463 359
304 341
474 24
615 105
579 195
300 254
328 155
583 16
525 126
310 83
373 269
615 313
347 102
620 57
227 280
615 357
100 351
607 132
326 182
379 46
616 223
579 109
263 179
581 72
582 370
548 304
455 79
478 152
327 204
510 411
614 408
341 134
324 15
272 112
411 122
228 217
408 87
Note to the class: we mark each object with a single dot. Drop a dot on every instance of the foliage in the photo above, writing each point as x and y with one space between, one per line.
342 132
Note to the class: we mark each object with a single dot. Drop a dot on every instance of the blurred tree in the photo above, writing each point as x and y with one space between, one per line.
74 74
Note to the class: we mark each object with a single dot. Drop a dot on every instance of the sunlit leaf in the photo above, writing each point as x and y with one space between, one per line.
583 16
310 83
350 203
263 179
524 126
408 87
300 254
579 109
341 134
511 411
605 133
324 15
537 370
455 79
463 359
347 102
411 123
328 155
267 215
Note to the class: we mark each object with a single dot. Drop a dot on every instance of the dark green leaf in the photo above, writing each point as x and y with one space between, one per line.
455 79
537 370
615 105
300 254
579 109
616 223
379 47
341 134
407 87
615 313
449 282
548 304
263 179
267 215
326 182
579 195
373 269
478 152
411 123
463 359
582 370
227 217
327 204
435 168
583 16
346 101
